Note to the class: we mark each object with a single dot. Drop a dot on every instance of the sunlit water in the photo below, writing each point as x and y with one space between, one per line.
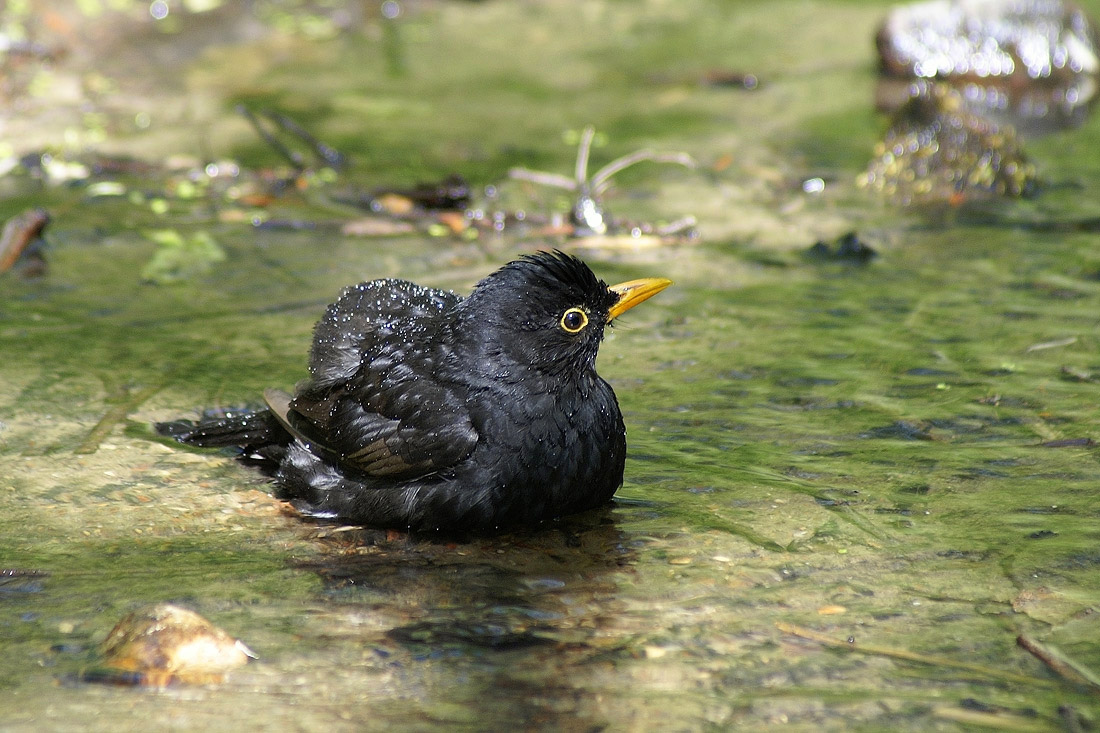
894 456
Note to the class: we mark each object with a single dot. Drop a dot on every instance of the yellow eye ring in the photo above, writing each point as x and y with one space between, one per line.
574 319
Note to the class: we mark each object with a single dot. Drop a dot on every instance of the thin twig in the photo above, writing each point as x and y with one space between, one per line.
291 157
118 413
603 175
1057 343
543 178
676 226
19 232
905 654
1059 663
580 173
993 721
327 153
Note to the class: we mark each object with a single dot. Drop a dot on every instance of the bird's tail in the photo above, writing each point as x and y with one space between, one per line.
258 434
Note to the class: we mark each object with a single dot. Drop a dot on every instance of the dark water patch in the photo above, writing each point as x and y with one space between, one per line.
930 372
13 580
802 474
676 365
900 430
848 248
806 381
739 374
1010 462
802 404
977 473
1080 561
731 392
1012 402
1069 443
824 451
1049 290
970 555
448 636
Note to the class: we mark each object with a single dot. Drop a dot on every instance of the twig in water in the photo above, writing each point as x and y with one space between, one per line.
882 651
993 721
19 236
118 413
1043 346
1059 663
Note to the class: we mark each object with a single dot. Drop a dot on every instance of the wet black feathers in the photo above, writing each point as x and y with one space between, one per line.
424 409
371 401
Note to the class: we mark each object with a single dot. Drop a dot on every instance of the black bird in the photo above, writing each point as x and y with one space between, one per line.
428 411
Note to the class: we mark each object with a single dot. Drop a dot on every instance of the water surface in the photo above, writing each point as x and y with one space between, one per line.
894 457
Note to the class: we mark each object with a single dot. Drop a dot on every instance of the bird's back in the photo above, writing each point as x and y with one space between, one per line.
369 319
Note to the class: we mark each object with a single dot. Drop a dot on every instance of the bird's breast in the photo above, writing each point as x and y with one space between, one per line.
552 451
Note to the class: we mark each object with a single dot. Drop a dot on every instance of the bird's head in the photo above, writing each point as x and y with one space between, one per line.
548 311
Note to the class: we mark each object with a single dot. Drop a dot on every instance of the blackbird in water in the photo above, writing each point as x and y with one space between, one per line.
425 410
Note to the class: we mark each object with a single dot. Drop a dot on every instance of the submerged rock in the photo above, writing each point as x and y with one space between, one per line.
164 644
937 151
1033 63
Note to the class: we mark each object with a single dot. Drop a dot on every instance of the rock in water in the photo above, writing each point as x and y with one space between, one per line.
984 39
1033 63
164 644
937 151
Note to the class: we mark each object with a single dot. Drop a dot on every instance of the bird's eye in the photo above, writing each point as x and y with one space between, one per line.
574 319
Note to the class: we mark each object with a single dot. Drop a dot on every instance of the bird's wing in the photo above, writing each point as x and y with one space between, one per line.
424 439
373 404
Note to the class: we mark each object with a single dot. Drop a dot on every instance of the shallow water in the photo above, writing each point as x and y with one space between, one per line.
894 457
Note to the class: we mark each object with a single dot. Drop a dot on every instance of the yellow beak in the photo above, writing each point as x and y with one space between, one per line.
634 292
